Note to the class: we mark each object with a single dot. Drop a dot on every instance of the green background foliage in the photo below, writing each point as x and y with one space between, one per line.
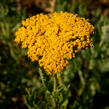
83 85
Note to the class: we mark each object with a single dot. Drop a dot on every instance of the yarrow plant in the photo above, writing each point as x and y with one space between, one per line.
52 40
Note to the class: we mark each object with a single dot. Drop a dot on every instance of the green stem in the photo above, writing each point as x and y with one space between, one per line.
54 90
59 79
53 101
54 79
42 78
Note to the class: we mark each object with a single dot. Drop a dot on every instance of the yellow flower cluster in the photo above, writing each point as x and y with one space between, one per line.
50 40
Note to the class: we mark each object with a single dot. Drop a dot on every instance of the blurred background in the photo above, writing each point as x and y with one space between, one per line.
87 74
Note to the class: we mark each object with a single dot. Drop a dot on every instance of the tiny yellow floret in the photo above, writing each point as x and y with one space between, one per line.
51 40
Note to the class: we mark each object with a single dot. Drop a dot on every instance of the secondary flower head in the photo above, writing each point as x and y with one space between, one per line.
50 40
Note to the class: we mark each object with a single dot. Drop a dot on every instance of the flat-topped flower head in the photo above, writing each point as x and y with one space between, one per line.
50 40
